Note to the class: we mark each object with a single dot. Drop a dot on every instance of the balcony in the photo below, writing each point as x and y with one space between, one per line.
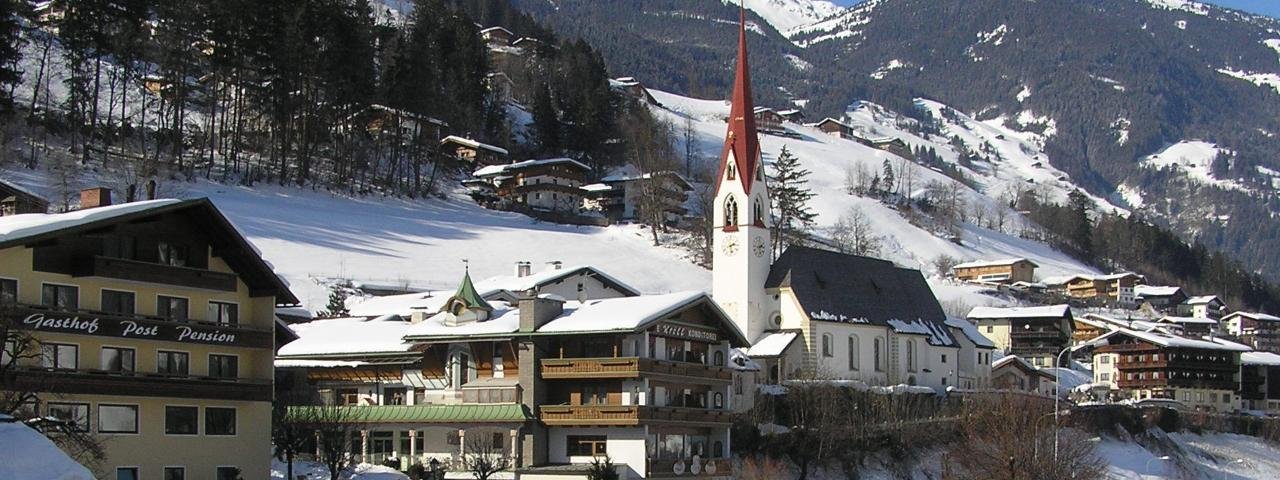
99 382
629 415
629 367
133 270
136 327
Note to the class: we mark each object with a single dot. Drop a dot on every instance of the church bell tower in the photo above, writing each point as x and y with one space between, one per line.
742 251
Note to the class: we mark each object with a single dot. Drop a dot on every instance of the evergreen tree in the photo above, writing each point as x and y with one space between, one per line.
887 177
10 53
1221 166
1079 225
546 122
337 306
789 193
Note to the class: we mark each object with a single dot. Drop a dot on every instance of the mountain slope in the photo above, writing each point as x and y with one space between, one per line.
1103 83
787 15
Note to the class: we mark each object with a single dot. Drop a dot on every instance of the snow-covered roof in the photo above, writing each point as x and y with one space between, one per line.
1062 279
347 336
501 169
971 332
1168 340
623 82
495 29
1260 358
16 227
1261 317
993 263
629 177
1155 290
1050 311
295 312
1189 320
772 344
28 454
741 361
1202 300
937 334
467 142
504 319
431 302
306 363
597 187
1020 362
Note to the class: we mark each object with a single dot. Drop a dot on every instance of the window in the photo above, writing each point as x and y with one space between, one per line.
717 400
181 420
224 313
731 172
1106 359
117 302
991 328
854 352
497 441
172 254
911 355
944 358
718 358
219 421
60 296
117 418
231 473
826 345
737 384
8 290
730 211
224 366
127 473
173 363
173 308
60 356
175 473
116 359
1106 377
879 355
75 415
585 445
758 213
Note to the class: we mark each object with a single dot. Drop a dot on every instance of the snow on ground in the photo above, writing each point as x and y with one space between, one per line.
1193 158
889 66
1271 80
315 471
1222 455
28 455
1182 5
309 234
787 15
1273 44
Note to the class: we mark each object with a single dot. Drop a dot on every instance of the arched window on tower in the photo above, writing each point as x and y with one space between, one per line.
759 173
731 172
730 211
758 213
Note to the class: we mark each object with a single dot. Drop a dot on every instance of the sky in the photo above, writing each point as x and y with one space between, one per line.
1265 7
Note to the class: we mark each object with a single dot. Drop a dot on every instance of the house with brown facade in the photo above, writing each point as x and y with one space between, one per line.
623 197
496 37
552 185
1115 287
16 200
1200 373
1260 382
835 128
149 325
548 383
1008 270
768 120
1035 334
1016 374
1259 330
475 153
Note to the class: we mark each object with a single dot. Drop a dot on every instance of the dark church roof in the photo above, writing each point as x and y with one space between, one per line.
838 287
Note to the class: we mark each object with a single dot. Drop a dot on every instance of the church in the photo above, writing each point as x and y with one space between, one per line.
816 314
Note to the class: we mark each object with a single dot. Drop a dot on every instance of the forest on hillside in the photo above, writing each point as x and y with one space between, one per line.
321 93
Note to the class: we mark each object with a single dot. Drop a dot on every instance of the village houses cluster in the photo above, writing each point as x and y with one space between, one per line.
157 324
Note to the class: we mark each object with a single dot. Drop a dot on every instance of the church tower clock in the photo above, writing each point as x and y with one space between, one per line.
740 227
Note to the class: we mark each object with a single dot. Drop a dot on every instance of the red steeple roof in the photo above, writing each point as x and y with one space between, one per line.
741 138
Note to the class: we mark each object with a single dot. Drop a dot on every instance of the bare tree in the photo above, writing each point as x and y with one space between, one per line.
853 233
690 137
761 468
483 459
857 179
943 264
1005 438
332 426
19 348
815 435
290 430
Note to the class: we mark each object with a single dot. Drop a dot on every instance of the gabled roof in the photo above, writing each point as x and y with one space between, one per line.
837 287
772 344
1261 317
1188 320
1167 340
347 337
224 238
1203 300
509 168
971 332
1015 361
1050 311
832 120
1156 291
496 29
467 142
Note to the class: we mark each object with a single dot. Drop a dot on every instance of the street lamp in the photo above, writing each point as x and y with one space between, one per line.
1057 394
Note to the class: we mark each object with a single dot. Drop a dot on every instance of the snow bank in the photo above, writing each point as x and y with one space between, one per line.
28 455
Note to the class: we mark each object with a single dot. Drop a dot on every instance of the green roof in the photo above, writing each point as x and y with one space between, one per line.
468 295
446 414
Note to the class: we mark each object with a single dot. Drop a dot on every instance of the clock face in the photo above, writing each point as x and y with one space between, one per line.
730 246
758 247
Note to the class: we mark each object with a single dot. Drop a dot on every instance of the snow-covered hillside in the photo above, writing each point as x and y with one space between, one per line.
787 15
830 158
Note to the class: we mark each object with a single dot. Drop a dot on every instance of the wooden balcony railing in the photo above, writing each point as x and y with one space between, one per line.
625 415
628 367
95 382
134 270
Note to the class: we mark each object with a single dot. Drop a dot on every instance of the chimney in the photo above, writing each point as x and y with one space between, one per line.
523 269
536 311
556 265
95 197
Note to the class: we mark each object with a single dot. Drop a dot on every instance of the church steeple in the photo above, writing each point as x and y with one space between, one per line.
742 143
